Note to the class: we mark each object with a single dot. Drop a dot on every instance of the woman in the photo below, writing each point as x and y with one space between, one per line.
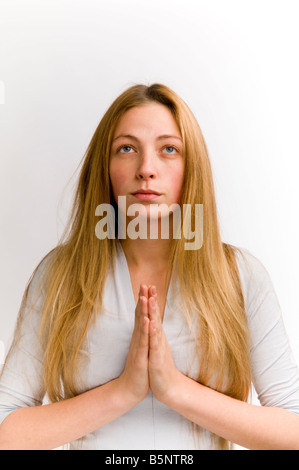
140 343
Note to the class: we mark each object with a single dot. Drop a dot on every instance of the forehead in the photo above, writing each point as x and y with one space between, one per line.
152 118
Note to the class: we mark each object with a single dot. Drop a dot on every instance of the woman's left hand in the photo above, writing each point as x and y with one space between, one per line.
163 375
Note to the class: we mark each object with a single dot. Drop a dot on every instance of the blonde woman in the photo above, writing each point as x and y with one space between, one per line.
138 342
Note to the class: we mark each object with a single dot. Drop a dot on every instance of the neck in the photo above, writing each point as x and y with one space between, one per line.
141 253
148 252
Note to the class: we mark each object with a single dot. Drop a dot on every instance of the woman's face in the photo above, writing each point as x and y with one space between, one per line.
147 154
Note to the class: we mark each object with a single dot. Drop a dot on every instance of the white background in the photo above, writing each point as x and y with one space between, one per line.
235 63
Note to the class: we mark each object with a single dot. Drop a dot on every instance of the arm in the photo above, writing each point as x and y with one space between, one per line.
253 427
56 424
250 426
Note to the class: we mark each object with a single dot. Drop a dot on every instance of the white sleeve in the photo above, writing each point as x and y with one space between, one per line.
21 383
275 373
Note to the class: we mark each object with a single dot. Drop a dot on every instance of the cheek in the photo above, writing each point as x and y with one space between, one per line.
176 183
118 179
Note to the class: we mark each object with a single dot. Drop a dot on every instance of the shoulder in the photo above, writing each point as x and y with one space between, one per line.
256 281
36 285
40 271
251 268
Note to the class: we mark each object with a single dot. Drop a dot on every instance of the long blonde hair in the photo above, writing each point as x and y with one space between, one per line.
209 283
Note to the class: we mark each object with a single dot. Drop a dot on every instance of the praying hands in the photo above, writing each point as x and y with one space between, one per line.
149 363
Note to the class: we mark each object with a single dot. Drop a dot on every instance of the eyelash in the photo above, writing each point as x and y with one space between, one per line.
166 146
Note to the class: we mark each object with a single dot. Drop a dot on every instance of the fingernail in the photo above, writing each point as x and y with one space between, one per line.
153 302
154 290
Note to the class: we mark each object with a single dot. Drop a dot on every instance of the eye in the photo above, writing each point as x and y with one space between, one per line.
170 147
124 147
173 149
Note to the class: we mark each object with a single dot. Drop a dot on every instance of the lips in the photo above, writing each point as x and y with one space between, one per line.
146 194
146 191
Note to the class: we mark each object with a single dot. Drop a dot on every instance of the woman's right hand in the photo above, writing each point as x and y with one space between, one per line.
134 380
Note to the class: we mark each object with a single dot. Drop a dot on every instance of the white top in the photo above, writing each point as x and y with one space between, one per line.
150 424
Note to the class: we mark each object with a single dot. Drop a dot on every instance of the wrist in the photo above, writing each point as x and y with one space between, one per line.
125 392
172 394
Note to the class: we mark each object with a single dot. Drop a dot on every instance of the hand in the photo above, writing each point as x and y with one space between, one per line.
163 375
134 380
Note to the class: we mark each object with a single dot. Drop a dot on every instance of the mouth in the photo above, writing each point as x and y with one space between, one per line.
146 194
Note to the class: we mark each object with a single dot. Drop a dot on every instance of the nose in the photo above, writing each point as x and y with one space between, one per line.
146 168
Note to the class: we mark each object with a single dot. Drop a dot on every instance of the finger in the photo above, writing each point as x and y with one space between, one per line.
153 290
153 310
144 306
144 290
144 337
153 336
140 311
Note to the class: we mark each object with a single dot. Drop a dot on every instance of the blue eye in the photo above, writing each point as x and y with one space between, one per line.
129 147
125 146
170 147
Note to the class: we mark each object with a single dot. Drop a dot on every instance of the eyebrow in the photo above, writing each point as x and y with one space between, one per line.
160 137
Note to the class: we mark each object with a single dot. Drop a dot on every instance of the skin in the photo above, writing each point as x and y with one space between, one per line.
148 163
149 363
159 165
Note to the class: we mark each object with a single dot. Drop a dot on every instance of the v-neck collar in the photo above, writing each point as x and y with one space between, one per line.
128 284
